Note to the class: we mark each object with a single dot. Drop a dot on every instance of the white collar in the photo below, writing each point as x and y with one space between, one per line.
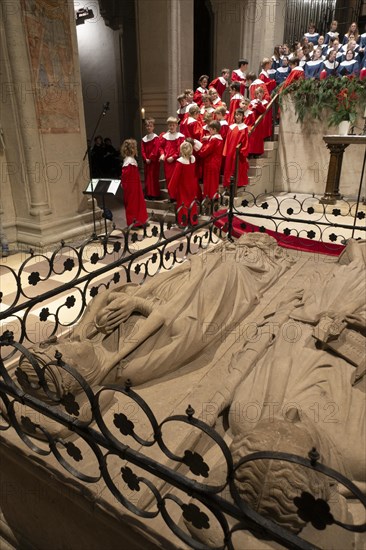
298 69
331 64
183 160
265 73
217 100
172 137
240 126
345 63
282 69
314 62
248 112
190 120
236 96
240 73
202 90
257 81
223 81
223 122
129 161
149 137
216 136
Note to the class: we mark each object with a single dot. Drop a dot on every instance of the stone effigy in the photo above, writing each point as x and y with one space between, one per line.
300 388
145 332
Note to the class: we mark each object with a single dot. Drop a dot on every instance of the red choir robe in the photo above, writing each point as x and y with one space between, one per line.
238 76
220 85
238 134
269 82
133 196
182 112
217 103
297 73
197 98
211 153
224 129
184 188
150 151
267 122
256 138
169 147
193 128
234 104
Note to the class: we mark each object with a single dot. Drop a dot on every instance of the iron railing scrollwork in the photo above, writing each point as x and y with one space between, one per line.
207 504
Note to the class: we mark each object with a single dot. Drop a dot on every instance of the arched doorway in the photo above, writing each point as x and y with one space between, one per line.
203 39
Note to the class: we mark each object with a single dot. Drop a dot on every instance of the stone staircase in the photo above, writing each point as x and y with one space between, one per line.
261 180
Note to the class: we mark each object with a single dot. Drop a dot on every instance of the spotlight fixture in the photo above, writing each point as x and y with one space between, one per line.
83 14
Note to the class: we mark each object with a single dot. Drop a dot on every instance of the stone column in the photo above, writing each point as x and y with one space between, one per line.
42 171
165 43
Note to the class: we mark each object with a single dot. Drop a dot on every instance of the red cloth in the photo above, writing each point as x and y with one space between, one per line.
220 85
224 129
256 139
193 129
211 152
197 97
169 147
241 226
296 74
269 82
150 151
237 135
234 104
363 73
135 206
184 188
238 76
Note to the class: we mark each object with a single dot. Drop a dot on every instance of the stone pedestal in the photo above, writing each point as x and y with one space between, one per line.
337 146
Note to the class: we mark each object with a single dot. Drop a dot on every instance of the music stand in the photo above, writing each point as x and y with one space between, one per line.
102 187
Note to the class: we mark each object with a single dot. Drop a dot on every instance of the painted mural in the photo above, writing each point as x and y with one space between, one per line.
47 26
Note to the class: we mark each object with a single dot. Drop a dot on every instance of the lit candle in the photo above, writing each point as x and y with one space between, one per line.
143 113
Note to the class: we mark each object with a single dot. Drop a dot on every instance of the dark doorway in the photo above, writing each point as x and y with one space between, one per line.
203 39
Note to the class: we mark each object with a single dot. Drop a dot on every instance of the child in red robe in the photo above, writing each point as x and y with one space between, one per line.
235 99
170 142
136 213
221 82
201 90
264 76
297 73
184 188
238 135
150 155
211 153
239 75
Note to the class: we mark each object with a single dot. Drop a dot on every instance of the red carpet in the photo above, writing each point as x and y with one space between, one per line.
241 226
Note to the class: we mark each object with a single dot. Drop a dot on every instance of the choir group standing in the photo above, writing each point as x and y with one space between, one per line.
201 143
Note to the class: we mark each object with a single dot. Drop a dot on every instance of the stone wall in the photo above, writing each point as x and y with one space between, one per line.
303 158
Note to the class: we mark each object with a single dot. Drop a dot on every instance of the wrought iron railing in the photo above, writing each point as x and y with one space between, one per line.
116 259
205 503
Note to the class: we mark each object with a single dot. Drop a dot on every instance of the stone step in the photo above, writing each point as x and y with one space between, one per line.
270 145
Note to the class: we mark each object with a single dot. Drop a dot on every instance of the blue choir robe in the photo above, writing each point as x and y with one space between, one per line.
312 37
275 63
330 67
347 68
313 68
363 41
281 74
330 36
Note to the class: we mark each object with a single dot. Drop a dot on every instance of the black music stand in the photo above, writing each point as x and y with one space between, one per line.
102 187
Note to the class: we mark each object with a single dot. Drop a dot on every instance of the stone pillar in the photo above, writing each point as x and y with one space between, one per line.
42 172
165 41
246 29
263 23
